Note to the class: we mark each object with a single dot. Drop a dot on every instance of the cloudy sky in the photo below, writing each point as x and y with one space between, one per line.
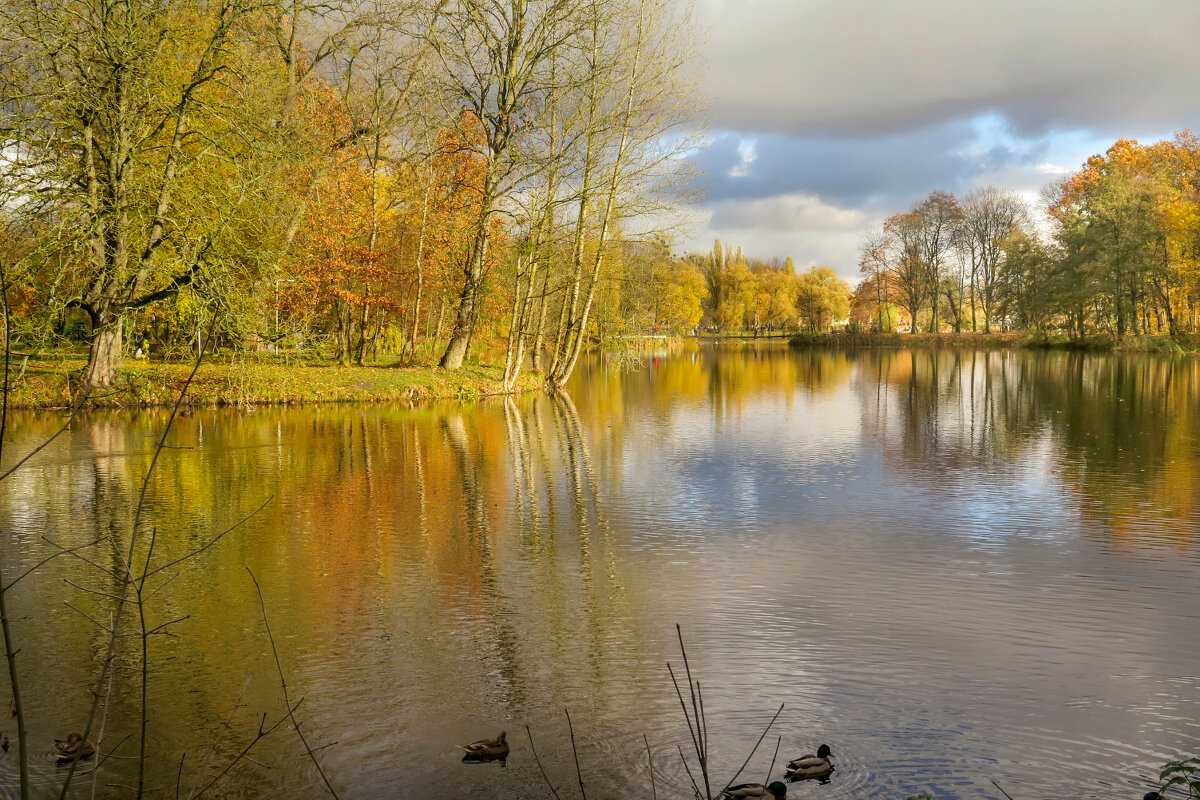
829 115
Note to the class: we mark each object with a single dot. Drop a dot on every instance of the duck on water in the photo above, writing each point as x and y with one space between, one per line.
486 749
73 747
810 767
753 791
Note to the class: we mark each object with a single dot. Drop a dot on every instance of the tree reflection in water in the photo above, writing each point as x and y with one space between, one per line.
857 534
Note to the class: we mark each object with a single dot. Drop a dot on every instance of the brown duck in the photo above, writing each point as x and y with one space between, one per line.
486 749
73 747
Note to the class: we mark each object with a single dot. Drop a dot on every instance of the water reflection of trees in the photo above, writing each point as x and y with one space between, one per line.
1118 430
727 380
465 549
562 524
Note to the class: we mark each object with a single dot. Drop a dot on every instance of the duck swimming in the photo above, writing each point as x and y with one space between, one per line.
749 791
486 749
73 747
806 767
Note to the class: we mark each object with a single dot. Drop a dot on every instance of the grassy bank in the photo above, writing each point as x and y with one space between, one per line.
52 381
1182 344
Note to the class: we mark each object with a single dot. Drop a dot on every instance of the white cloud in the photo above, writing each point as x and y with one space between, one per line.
748 155
786 213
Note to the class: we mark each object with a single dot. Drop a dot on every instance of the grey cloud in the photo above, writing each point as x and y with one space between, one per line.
857 108
859 172
865 67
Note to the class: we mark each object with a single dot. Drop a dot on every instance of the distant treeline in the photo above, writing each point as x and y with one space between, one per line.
744 293
1117 254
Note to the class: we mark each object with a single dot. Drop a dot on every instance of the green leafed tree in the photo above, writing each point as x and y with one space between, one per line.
129 133
822 299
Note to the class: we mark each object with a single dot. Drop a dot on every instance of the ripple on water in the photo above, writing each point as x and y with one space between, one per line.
937 572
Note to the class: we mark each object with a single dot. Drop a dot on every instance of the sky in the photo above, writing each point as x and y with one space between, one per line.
828 116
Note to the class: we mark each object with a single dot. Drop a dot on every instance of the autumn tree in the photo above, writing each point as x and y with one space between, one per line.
678 301
774 294
119 106
822 298
377 72
1122 255
903 251
731 286
1027 290
1127 219
989 218
637 85
874 264
935 219
871 308
495 59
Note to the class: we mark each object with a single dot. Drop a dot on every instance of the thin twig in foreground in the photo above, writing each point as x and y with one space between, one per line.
45 561
237 706
10 647
129 582
575 752
650 758
698 710
998 786
753 751
283 683
778 741
179 773
211 541
688 770
100 743
244 753
683 705
66 426
545 777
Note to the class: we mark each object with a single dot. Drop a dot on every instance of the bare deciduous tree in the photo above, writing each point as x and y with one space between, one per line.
989 218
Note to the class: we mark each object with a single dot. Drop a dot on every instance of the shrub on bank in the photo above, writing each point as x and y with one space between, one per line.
1098 343
892 339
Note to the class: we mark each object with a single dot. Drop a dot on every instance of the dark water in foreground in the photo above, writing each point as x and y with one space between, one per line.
952 567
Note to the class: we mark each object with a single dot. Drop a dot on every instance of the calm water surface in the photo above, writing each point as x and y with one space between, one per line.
952 567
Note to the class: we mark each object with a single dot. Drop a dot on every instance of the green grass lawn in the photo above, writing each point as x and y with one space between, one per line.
51 380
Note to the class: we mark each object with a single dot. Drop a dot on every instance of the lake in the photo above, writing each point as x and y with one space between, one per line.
954 567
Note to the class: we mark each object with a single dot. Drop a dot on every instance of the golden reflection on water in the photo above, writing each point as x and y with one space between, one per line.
849 532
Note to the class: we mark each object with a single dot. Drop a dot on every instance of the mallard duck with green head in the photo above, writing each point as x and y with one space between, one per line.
810 766
750 791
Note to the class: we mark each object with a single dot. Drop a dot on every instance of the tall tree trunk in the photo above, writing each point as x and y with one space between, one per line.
578 330
473 274
514 356
539 331
344 315
104 354
560 335
361 349
419 264
974 276
437 330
